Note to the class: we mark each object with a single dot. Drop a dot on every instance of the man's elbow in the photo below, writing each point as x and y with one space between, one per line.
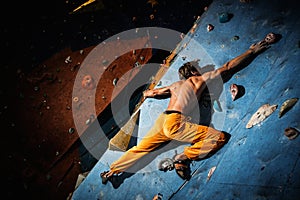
215 74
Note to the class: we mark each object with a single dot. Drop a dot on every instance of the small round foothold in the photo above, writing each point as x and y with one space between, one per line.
88 82
210 27
105 62
71 130
223 17
88 121
75 99
291 133
235 38
36 88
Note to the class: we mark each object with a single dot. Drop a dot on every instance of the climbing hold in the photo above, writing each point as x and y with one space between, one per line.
166 164
137 64
209 27
36 88
223 17
105 62
286 106
68 59
291 133
151 16
261 114
193 28
234 91
71 130
211 171
88 121
88 82
75 99
182 35
115 81
271 38
235 38
158 197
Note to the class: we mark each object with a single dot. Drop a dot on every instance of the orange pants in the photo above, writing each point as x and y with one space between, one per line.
174 126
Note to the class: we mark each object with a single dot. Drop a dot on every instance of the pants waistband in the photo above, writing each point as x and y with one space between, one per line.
171 111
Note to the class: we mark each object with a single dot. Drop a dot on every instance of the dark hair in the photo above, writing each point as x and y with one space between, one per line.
187 70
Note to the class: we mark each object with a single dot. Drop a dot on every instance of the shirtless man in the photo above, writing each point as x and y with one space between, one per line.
172 124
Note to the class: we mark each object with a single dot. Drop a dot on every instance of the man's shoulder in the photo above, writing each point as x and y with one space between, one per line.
196 78
178 82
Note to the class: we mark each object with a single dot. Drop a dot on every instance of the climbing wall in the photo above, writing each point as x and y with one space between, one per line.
260 162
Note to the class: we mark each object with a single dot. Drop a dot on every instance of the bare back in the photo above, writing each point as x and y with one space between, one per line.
185 94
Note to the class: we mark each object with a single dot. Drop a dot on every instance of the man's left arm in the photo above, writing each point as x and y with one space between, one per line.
236 62
158 92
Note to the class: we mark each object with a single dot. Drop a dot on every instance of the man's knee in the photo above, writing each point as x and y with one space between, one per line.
224 138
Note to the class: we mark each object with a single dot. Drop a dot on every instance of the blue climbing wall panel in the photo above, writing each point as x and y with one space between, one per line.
256 163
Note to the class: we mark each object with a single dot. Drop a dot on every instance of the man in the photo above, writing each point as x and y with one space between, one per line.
173 123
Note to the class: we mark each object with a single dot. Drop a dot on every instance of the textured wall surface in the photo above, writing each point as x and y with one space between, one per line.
256 163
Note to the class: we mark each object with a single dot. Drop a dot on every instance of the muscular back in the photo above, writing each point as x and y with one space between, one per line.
185 94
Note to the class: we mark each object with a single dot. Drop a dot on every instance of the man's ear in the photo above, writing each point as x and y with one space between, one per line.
195 73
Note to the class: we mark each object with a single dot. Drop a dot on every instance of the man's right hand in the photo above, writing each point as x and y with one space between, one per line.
265 43
258 47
